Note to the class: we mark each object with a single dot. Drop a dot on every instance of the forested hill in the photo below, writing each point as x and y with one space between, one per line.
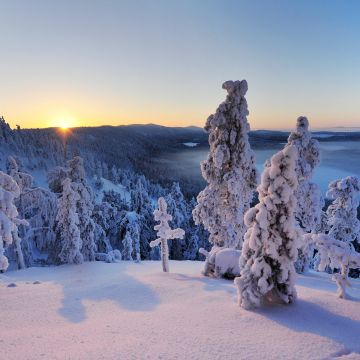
144 149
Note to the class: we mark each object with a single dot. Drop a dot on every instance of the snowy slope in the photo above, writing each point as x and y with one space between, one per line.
133 311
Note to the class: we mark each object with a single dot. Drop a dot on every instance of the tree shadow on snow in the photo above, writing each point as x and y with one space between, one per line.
318 281
210 283
304 316
126 291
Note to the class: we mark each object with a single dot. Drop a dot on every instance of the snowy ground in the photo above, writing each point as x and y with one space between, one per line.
133 311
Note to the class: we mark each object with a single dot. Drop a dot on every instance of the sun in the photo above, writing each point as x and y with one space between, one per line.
64 121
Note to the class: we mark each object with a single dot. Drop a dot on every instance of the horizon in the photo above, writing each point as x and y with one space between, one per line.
87 63
312 129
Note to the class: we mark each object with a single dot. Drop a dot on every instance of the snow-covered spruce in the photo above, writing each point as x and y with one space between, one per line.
337 255
24 180
229 170
221 262
67 227
84 207
9 221
270 248
164 232
131 241
343 223
309 200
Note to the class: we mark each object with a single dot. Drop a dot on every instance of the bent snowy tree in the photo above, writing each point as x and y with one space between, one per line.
270 249
335 254
164 232
229 170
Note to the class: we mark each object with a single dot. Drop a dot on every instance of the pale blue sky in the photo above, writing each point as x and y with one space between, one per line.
140 61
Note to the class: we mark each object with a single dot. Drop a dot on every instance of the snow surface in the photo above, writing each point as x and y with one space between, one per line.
134 311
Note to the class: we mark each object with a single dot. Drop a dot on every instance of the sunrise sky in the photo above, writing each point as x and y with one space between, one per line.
88 63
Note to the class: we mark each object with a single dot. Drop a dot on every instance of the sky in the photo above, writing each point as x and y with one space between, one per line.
107 62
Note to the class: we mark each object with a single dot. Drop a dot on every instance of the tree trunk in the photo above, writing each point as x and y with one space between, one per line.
165 255
19 253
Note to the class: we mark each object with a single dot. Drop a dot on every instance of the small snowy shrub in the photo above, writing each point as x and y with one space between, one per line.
270 248
164 232
221 262
110 257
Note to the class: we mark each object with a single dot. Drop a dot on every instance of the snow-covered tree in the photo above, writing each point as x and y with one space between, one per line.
342 218
178 209
309 200
140 203
39 207
24 180
129 226
103 216
55 178
270 248
67 226
229 170
308 209
164 232
9 221
85 207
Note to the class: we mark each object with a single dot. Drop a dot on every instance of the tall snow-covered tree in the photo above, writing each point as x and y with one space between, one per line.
309 201
164 232
229 170
308 210
85 207
67 226
270 249
9 221
343 223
